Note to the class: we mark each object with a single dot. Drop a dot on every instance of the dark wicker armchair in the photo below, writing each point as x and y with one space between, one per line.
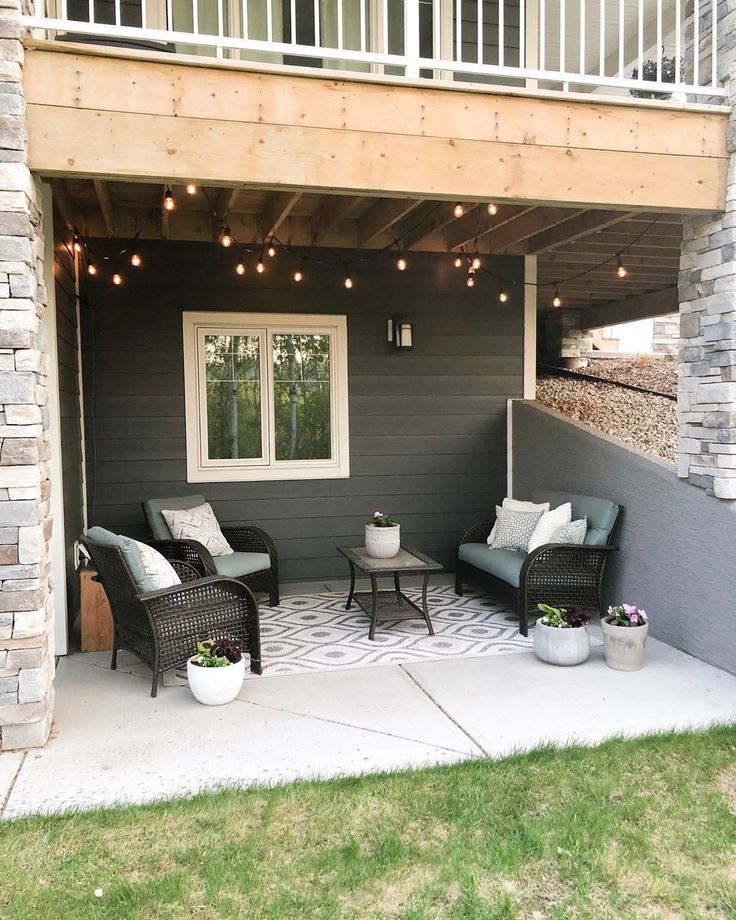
244 538
163 627
559 574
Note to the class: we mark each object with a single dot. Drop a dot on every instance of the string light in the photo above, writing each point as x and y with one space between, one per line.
458 263
620 268
298 275
135 260
476 263
557 300
76 242
348 280
458 210
271 249
226 238
117 279
91 269
470 279
503 296
191 189
401 263
260 267
169 203
492 209
240 269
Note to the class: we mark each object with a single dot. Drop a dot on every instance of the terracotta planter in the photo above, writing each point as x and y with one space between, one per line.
624 645
215 686
382 542
564 647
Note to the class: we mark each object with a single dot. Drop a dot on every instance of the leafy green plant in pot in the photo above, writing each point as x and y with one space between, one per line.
561 635
382 536
216 672
625 630
649 74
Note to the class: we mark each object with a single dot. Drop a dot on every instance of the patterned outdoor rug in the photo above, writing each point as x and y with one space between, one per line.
314 632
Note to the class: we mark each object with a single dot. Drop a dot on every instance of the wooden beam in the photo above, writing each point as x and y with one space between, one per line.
574 229
113 116
278 207
333 210
103 197
428 220
643 306
64 203
525 225
226 200
478 222
381 216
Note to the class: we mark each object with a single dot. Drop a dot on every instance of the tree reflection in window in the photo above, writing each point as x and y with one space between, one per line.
301 373
233 380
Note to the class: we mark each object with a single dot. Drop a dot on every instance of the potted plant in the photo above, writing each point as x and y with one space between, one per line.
625 631
561 636
216 672
382 536
649 74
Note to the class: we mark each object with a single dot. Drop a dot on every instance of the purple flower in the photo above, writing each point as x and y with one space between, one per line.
628 608
634 617
377 514
643 615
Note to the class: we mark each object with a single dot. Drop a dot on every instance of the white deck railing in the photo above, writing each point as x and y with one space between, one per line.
584 45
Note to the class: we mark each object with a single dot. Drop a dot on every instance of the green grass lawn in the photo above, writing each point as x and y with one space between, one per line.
631 829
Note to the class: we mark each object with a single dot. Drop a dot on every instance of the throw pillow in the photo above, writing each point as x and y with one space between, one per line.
514 528
513 504
198 524
127 546
160 573
574 532
549 523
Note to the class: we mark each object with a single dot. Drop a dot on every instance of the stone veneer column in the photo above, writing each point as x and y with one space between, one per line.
707 293
563 341
26 610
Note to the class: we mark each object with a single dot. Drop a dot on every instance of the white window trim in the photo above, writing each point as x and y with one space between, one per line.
195 325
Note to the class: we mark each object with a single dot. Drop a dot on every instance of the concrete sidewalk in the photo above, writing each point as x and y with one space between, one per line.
112 743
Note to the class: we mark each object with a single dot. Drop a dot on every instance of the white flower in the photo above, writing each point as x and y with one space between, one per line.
98 892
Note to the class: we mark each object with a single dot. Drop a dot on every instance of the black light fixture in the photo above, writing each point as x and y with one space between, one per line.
401 334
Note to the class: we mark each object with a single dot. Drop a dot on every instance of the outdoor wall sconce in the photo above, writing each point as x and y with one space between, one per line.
401 334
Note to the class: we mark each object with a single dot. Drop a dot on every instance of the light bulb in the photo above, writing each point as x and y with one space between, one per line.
458 210
458 262
348 282
240 268
76 243
226 238
135 260
260 267
557 300
91 269
492 209
401 264
298 276
191 189
476 263
621 269
471 281
117 279
169 203
271 250
503 296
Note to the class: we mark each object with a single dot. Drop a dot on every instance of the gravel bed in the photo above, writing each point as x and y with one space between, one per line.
647 422
650 372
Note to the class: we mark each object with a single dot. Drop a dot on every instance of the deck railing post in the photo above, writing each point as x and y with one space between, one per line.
411 38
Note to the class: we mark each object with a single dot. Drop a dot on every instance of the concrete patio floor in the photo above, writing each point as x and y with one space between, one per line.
112 743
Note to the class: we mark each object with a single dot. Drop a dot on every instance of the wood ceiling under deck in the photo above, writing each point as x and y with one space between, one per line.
567 241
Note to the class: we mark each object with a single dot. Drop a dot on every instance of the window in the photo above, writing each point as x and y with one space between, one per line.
266 396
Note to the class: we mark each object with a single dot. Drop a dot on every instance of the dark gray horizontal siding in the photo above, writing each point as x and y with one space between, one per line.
427 428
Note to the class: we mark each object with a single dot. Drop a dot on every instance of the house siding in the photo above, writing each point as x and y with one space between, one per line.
676 541
427 428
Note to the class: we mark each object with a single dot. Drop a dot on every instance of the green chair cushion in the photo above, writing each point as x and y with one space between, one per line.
156 521
503 563
600 512
235 565
131 554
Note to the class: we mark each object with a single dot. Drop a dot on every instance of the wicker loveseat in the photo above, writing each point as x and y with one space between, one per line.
558 574
163 627
255 560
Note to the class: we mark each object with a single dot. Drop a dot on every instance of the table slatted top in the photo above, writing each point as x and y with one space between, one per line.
408 559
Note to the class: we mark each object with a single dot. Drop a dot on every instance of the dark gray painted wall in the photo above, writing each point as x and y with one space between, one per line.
678 544
427 428
71 450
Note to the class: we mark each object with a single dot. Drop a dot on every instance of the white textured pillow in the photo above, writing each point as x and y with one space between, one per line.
574 532
549 522
198 524
515 528
513 504
160 573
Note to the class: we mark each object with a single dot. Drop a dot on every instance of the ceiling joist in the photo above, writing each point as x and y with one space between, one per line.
278 207
381 216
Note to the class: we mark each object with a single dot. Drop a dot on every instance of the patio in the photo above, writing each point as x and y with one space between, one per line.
112 743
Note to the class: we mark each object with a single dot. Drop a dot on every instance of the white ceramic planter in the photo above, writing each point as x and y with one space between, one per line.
215 686
563 647
624 645
382 542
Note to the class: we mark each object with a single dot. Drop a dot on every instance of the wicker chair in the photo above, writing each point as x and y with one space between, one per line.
560 574
245 539
163 627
